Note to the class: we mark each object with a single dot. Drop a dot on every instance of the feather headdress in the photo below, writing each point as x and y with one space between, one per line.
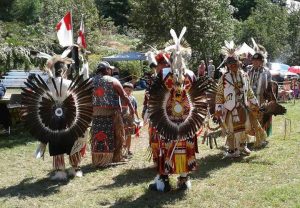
178 55
230 51
52 60
260 49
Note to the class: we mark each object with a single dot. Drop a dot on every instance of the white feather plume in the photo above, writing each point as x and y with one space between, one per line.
182 34
150 57
43 55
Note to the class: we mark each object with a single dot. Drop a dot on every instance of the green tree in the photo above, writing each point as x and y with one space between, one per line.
208 23
242 8
117 10
32 26
294 37
5 7
268 25
27 11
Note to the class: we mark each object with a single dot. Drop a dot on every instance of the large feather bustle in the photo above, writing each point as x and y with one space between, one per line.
41 110
198 109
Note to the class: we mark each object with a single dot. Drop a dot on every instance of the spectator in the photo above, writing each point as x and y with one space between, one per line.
5 119
286 92
295 87
201 69
211 69
115 72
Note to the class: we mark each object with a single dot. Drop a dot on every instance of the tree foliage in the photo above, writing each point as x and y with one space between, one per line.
242 8
268 25
209 23
294 37
117 10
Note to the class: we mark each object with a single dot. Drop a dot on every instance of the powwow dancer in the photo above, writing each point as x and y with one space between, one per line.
236 105
177 108
158 62
107 128
58 113
261 84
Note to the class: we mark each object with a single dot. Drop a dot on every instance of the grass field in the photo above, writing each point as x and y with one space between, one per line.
267 178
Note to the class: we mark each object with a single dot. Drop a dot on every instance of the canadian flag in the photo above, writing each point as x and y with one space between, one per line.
81 36
64 31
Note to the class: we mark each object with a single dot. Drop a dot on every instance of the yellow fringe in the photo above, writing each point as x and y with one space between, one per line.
180 163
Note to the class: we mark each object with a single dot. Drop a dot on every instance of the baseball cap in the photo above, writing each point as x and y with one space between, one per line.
104 65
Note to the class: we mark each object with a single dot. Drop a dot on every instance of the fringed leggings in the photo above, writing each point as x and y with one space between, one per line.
59 161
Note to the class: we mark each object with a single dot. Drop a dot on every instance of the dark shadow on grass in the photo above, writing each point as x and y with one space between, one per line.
132 177
215 162
19 136
28 187
255 160
252 148
151 199
86 169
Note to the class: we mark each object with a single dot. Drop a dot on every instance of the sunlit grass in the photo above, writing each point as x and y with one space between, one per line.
267 178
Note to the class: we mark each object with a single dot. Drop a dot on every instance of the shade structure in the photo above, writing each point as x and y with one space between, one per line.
294 69
127 56
245 49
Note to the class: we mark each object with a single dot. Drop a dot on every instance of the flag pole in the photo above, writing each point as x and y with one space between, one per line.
72 25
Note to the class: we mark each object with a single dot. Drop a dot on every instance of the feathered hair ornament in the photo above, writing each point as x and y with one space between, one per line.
260 49
230 52
154 57
52 60
178 54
